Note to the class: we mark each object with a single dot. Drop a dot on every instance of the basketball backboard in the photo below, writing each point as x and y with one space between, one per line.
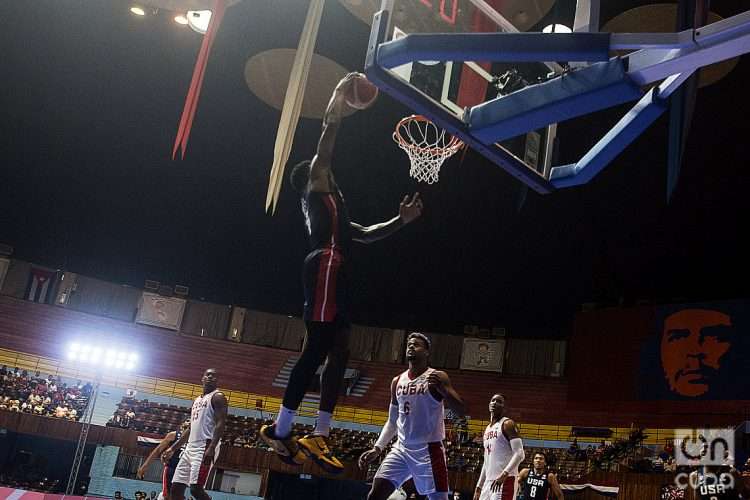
469 66
453 86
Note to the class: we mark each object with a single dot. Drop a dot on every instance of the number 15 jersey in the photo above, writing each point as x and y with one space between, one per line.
420 412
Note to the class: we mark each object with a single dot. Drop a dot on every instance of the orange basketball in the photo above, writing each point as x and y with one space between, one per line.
361 94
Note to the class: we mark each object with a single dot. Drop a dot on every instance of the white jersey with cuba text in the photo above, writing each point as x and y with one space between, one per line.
497 451
202 418
420 413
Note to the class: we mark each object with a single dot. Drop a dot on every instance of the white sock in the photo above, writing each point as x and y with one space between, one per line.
284 422
323 425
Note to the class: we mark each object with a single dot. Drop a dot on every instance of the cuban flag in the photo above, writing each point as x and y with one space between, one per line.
41 285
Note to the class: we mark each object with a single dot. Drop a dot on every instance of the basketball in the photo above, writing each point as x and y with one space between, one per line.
361 94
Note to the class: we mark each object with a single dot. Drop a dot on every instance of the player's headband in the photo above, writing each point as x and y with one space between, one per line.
420 336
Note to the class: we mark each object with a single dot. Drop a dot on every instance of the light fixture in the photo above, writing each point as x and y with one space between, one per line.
87 354
198 20
556 28
180 19
138 11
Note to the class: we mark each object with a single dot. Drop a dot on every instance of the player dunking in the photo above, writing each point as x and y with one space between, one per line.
326 281
416 416
503 452
208 418
537 482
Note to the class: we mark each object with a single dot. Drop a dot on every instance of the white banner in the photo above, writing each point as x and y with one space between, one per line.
609 490
483 354
156 310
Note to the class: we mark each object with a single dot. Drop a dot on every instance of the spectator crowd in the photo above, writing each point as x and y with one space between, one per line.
39 395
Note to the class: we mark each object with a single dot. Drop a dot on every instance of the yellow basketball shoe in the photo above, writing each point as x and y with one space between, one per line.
316 447
286 448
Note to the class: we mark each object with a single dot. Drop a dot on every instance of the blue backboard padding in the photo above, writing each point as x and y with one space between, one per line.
501 47
630 127
421 104
580 92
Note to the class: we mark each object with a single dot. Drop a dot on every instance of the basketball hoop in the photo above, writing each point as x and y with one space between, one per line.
427 145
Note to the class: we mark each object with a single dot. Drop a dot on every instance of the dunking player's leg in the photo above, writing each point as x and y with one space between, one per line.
316 444
314 351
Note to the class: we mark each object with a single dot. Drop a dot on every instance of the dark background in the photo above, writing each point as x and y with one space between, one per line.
91 98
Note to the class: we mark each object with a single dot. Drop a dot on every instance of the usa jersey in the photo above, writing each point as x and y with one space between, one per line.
497 451
716 487
202 422
420 413
536 486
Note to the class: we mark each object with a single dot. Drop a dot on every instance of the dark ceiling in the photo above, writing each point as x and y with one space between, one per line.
91 100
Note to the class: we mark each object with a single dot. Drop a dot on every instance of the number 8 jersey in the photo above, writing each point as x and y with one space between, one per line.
420 411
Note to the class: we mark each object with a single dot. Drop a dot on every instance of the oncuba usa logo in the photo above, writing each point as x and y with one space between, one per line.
703 446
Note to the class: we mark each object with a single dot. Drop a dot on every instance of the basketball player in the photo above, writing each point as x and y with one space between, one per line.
717 483
416 416
207 421
536 483
503 453
325 278
171 465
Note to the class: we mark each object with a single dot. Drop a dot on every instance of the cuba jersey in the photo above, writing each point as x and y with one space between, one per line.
497 451
202 422
536 486
420 413
718 486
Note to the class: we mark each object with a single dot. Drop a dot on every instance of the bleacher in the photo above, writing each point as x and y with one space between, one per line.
242 431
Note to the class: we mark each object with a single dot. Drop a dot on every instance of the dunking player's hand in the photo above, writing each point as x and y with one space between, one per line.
409 210
335 108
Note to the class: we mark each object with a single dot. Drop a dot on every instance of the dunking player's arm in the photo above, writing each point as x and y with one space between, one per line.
219 402
321 174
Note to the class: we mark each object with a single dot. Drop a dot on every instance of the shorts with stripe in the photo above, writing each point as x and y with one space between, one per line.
192 469
507 490
426 465
325 282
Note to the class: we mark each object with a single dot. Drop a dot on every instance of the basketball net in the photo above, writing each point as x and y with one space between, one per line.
427 145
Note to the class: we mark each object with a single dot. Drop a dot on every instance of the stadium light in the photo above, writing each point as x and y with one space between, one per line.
95 355
556 28
138 11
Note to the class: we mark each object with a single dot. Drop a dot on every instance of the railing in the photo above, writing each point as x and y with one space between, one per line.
265 403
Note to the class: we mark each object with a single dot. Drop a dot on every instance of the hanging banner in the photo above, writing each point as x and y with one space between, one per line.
483 355
157 310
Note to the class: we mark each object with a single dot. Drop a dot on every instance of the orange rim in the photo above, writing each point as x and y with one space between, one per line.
453 145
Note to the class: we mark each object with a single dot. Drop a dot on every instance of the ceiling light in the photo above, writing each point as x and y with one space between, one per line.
180 19
556 28
198 20
137 11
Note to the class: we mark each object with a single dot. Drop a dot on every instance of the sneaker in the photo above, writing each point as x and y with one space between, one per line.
286 449
316 447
